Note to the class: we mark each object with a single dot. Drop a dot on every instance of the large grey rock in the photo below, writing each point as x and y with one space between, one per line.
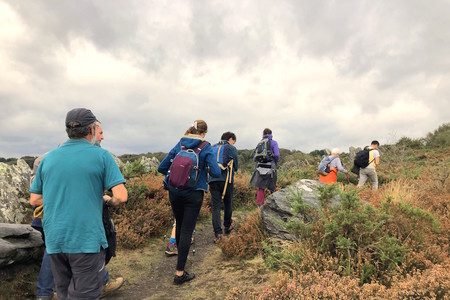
19 243
14 192
278 210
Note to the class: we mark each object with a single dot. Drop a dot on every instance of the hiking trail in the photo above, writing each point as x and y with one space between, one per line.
148 272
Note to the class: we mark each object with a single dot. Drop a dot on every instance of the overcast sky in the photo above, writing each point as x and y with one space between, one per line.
320 74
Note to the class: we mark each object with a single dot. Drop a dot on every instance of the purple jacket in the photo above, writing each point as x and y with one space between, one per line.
274 146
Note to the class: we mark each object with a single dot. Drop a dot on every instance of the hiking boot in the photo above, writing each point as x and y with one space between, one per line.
171 250
111 286
218 238
229 229
183 278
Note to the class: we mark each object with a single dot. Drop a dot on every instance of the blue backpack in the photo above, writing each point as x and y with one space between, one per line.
184 171
324 166
224 164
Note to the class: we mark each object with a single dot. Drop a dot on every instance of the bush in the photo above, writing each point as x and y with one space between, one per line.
430 284
244 194
147 212
247 239
355 239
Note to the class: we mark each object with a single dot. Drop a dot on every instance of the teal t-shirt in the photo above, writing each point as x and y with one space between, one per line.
72 179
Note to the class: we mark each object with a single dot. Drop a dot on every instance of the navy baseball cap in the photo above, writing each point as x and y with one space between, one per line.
79 117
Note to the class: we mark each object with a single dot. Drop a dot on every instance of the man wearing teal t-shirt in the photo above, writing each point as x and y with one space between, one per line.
69 183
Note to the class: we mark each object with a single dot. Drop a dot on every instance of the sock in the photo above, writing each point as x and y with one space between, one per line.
172 240
260 197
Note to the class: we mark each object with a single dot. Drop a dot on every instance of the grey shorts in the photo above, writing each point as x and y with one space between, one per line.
78 276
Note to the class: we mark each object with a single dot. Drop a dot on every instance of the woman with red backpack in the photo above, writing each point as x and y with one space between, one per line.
185 167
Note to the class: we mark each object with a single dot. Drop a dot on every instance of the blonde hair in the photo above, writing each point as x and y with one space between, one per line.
198 127
335 151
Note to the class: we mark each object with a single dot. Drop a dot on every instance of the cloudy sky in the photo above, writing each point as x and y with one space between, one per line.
320 74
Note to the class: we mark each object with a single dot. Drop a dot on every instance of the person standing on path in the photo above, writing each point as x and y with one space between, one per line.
186 206
370 172
45 281
69 183
265 174
335 166
222 188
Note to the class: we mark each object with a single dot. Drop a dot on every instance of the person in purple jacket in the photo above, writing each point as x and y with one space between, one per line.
187 207
265 175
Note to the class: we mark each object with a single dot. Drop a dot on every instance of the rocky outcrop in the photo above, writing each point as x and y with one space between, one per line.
149 163
140 166
278 210
14 192
352 152
19 243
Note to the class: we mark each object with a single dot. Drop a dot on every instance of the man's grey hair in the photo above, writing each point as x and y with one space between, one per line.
335 151
80 132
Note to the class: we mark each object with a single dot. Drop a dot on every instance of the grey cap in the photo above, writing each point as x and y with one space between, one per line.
79 117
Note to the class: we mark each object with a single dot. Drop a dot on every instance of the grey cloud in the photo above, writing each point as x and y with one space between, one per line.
382 51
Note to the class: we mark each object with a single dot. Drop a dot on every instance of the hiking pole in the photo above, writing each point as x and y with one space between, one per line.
347 178
193 242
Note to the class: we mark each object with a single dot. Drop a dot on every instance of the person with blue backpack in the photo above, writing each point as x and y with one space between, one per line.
329 166
222 188
266 157
186 168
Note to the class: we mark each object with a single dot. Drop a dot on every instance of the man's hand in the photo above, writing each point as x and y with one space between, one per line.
120 195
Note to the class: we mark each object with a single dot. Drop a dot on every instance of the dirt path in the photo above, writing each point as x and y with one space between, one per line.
148 273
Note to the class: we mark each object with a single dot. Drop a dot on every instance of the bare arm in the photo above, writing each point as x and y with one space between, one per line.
377 160
36 199
120 195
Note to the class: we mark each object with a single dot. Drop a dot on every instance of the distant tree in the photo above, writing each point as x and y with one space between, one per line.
317 153
411 143
440 137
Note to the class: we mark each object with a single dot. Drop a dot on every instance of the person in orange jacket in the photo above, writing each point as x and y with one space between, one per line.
335 166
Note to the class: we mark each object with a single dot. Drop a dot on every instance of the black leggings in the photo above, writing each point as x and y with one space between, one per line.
185 210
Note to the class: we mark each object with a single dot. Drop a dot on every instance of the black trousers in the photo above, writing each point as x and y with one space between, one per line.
216 190
185 210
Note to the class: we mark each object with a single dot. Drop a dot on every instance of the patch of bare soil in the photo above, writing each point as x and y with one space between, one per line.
148 273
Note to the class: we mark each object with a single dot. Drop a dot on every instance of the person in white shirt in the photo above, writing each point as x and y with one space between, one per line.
370 171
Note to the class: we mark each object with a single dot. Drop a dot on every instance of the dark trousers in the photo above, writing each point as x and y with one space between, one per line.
185 210
216 190
78 276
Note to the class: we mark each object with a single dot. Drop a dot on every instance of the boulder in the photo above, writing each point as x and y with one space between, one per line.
19 243
14 192
278 210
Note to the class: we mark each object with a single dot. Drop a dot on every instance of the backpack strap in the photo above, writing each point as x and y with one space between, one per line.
218 157
196 150
229 177
199 148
